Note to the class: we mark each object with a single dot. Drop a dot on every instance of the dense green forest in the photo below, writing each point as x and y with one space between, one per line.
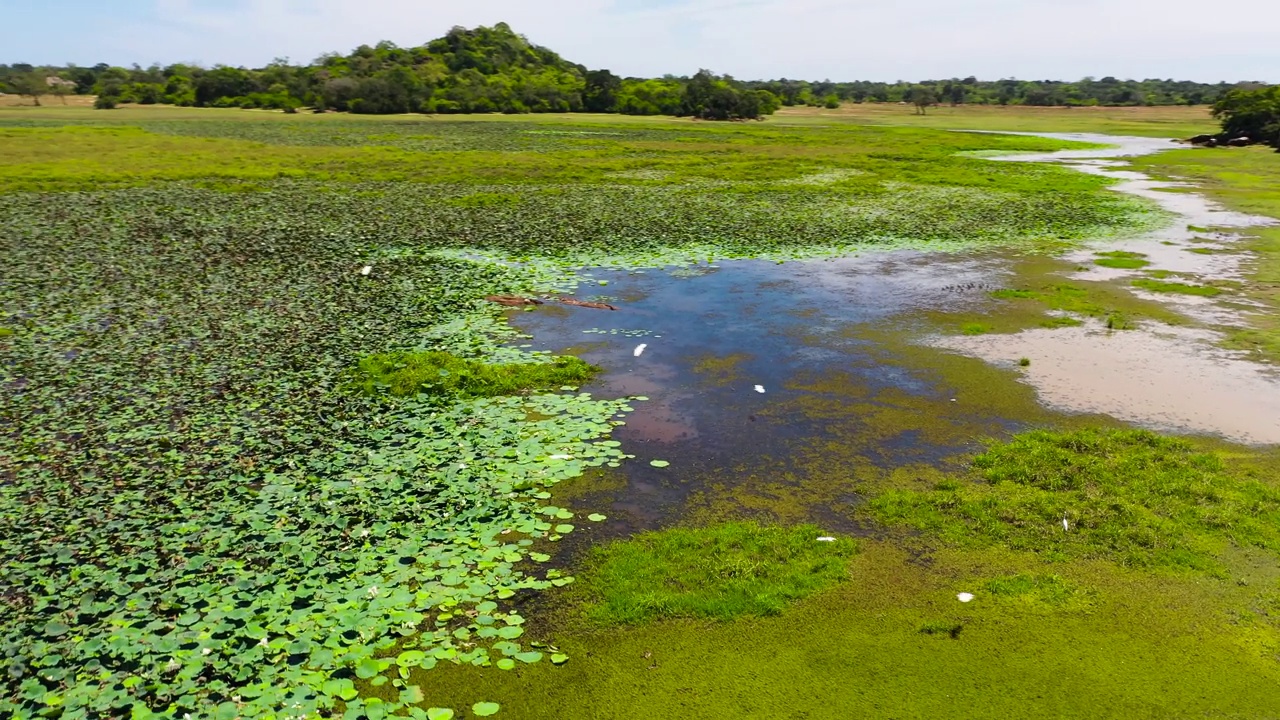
496 70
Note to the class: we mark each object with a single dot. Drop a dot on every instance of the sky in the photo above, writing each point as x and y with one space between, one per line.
749 39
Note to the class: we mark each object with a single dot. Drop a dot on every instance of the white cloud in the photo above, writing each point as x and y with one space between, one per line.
812 39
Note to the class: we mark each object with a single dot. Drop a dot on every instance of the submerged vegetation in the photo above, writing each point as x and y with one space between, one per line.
718 572
440 373
1162 286
1121 260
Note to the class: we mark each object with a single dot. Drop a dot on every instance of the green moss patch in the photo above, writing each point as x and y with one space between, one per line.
717 572
1038 592
404 374
1121 260
1127 495
1160 286
1151 646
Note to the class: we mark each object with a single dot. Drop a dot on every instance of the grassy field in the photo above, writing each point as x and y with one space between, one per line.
48 101
266 445
1171 122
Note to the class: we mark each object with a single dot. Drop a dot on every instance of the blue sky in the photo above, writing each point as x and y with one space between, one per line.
811 39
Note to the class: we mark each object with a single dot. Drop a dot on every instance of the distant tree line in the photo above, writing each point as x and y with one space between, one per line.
496 70
1109 92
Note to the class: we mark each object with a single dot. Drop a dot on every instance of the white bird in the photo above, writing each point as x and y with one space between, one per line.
965 597
366 270
640 349
1065 525
826 539
760 389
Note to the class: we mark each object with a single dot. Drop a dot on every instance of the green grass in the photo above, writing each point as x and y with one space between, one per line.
540 186
1130 496
974 328
1245 180
1143 646
1170 122
1112 305
1038 592
718 572
1160 286
405 374
1121 260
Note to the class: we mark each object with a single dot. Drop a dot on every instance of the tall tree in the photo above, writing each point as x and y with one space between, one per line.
31 84
1254 114
601 92
922 96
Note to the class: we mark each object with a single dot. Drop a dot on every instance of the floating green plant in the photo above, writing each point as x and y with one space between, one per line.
441 373
717 572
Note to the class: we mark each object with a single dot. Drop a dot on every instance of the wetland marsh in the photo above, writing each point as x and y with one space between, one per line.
268 450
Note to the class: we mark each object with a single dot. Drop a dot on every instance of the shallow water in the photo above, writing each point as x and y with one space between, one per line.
800 330
713 335
1169 248
1168 379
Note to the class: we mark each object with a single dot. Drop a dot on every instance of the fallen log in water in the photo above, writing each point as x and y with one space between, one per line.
584 303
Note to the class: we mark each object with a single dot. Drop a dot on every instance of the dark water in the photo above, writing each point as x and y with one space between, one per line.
713 334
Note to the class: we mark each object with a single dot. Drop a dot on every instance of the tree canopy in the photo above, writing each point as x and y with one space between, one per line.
1253 114
493 69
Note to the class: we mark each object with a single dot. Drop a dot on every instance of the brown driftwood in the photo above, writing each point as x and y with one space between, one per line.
585 304
512 300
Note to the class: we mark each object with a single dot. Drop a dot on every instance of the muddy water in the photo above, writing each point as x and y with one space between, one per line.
1165 378
828 343
1155 376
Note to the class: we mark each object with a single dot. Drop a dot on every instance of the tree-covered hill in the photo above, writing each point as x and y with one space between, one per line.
494 69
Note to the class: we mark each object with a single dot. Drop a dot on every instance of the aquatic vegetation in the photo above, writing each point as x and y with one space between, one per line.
942 627
1150 644
1160 286
716 572
199 516
1121 260
1066 303
1245 181
441 373
1129 495
1038 592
